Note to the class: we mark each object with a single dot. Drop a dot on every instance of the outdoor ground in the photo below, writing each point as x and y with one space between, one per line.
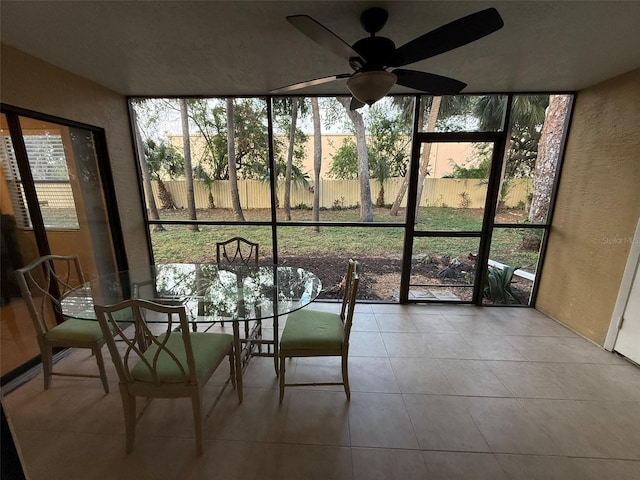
379 251
381 274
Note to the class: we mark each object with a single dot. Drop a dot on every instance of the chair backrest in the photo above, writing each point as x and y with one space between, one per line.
352 281
43 283
148 356
237 250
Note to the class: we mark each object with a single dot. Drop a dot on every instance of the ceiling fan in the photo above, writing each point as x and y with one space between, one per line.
375 60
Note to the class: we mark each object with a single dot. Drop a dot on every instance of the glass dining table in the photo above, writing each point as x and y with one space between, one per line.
211 293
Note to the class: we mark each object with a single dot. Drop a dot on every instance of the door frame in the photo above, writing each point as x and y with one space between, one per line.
633 264
103 165
498 139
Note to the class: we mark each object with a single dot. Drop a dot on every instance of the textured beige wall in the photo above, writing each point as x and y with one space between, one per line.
597 209
29 83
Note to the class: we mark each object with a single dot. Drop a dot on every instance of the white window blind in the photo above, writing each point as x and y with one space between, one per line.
48 165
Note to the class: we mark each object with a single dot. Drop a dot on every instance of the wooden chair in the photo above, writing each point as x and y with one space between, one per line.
43 283
237 250
177 363
311 333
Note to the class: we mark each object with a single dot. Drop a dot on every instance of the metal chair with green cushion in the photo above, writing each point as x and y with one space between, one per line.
174 364
43 283
311 333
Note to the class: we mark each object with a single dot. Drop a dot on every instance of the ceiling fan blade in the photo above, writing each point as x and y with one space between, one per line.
452 35
325 37
428 82
355 104
309 83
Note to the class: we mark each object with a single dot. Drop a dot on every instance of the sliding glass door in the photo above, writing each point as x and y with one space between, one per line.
56 198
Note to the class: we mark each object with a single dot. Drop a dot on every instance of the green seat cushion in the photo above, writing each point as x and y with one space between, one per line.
73 330
209 349
312 330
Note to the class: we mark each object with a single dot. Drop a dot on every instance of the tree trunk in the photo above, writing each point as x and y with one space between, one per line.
366 206
188 167
231 153
289 172
426 148
380 199
317 160
165 196
502 193
548 155
424 158
146 177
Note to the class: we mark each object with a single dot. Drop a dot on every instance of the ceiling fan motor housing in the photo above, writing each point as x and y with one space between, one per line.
377 52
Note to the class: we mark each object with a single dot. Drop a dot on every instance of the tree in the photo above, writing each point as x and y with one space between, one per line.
201 174
231 154
451 111
251 138
436 103
424 157
366 207
209 117
523 133
188 169
344 163
146 177
287 110
388 142
287 177
388 139
163 159
479 171
317 160
548 155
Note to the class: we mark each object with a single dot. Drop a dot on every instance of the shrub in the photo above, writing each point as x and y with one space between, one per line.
498 288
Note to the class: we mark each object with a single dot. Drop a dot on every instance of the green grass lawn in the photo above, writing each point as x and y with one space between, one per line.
178 244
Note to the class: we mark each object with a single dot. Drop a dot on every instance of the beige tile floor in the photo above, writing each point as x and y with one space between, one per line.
438 392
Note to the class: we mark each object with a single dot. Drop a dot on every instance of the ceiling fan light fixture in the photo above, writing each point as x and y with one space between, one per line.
369 87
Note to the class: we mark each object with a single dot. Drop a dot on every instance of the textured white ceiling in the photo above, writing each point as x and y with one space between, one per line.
248 48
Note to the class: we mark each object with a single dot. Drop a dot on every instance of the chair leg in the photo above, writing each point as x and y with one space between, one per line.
282 371
259 334
196 403
232 369
276 340
46 353
129 407
97 351
345 376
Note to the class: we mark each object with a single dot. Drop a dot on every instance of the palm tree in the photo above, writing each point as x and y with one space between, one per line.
188 169
163 158
146 177
287 176
209 180
523 132
380 172
231 154
317 160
